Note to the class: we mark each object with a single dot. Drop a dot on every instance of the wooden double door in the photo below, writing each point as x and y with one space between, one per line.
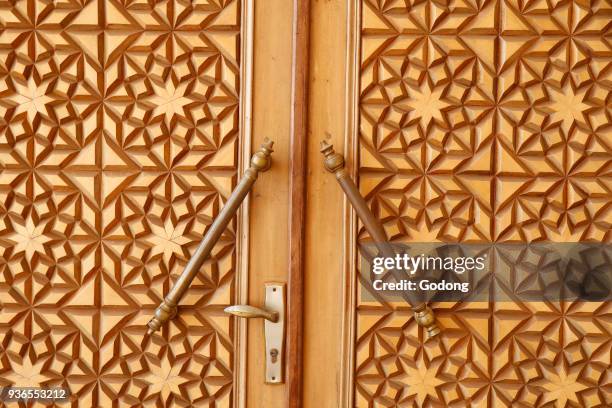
126 125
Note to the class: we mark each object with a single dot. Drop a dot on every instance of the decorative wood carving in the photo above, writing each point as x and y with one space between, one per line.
486 121
119 142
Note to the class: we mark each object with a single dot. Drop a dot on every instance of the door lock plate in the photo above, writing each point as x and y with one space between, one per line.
274 333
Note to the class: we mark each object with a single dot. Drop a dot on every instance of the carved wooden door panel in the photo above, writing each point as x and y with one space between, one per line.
474 121
124 127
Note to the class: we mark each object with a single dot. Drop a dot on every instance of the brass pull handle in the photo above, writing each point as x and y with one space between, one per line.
259 162
250 312
334 163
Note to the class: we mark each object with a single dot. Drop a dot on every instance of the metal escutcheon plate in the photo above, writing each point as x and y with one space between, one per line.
275 333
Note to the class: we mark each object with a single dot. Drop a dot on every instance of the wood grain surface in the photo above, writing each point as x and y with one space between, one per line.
297 208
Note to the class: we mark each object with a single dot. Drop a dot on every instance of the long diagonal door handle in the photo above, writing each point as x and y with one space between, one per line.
167 309
334 163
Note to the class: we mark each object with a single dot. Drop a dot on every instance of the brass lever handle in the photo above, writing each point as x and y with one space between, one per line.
259 162
248 312
273 327
334 163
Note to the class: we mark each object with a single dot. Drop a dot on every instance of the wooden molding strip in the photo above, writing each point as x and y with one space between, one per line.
242 249
297 209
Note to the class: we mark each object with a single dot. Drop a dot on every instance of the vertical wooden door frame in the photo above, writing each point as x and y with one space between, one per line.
297 209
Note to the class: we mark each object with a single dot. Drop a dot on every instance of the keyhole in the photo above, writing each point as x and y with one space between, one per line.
274 355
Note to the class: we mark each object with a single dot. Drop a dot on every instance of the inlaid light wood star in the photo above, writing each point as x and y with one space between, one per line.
29 237
26 373
165 378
